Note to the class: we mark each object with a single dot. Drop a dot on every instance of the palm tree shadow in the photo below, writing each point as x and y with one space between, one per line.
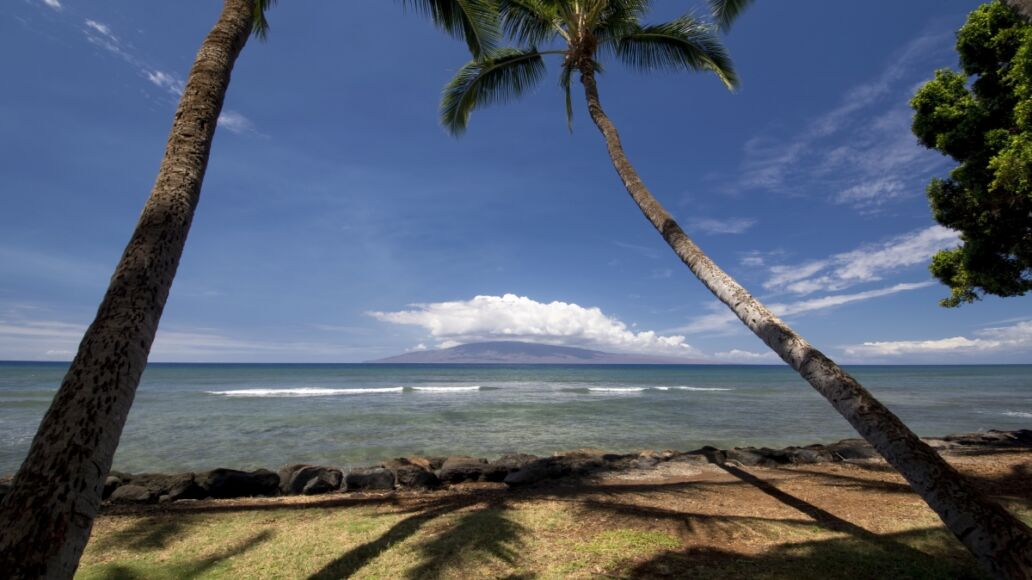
355 559
153 533
827 519
192 569
487 530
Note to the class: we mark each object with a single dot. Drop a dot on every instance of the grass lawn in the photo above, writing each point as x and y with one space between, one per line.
829 521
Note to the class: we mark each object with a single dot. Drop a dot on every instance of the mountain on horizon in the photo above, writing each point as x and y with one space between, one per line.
514 352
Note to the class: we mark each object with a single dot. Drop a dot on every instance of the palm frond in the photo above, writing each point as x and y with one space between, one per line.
498 77
564 82
530 22
726 11
474 21
259 25
682 44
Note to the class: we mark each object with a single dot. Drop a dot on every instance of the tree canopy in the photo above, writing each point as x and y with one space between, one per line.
982 118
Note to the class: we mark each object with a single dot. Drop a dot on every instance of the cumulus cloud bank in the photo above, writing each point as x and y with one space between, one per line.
512 317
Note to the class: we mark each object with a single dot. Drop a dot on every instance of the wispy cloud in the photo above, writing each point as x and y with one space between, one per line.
826 302
880 161
865 264
100 34
33 339
167 81
722 321
718 226
512 317
1013 338
55 4
236 122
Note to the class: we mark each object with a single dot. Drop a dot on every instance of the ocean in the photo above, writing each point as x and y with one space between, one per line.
191 417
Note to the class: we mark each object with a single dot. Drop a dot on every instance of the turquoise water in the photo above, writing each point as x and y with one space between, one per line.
200 416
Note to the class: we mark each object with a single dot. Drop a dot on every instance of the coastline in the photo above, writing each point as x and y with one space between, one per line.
431 474
647 515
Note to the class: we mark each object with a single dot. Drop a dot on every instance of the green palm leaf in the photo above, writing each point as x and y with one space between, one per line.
726 11
474 21
528 21
501 76
564 82
259 25
682 44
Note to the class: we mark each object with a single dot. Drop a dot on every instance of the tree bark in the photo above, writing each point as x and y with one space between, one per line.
47 515
1000 541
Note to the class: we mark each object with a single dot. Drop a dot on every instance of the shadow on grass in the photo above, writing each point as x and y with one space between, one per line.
151 533
356 558
487 531
839 558
189 569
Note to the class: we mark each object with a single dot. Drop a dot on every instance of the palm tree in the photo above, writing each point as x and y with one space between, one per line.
582 30
47 515
48 512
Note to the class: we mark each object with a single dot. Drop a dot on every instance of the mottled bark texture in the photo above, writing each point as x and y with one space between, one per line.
1000 542
47 515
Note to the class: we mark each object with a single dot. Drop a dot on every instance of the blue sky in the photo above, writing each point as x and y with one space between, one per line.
340 223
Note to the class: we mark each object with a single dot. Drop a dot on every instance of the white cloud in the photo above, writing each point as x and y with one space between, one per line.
26 339
840 299
100 34
862 149
512 317
235 122
744 356
55 4
722 321
866 264
726 226
166 81
1017 337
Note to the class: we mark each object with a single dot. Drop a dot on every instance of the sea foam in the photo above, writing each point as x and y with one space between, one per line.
304 392
462 389
1018 414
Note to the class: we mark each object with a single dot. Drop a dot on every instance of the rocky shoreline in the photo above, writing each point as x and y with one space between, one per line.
433 473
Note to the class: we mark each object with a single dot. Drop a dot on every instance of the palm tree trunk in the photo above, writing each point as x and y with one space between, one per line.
47 515
1001 543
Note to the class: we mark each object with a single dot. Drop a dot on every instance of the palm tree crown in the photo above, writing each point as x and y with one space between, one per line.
581 31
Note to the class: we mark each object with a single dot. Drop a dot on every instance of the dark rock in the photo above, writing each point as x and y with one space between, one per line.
374 479
645 462
531 472
459 468
852 449
416 461
812 454
230 483
309 479
5 487
712 454
514 461
415 477
993 438
176 486
111 483
131 493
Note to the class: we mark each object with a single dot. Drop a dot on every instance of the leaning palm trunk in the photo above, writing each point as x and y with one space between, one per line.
47 515
1001 542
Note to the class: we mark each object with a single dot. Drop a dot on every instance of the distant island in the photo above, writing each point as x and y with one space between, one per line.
514 352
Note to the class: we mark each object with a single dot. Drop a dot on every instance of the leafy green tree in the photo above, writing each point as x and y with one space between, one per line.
986 126
578 32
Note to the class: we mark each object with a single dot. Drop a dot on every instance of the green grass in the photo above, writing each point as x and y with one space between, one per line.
650 534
